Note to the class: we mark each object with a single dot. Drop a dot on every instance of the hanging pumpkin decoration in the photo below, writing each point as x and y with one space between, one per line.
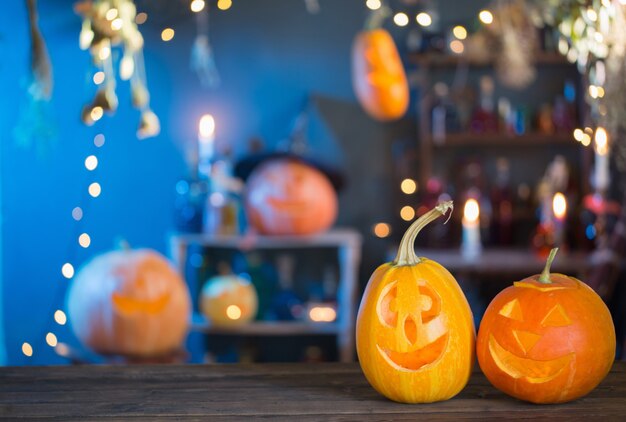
414 332
228 300
547 339
129 302
288 197
378 76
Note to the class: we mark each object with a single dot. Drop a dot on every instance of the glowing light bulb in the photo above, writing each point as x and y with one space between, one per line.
91 162
401 19
424 19
206 127
559 205
167 34
408 186
485 17
407 213
51 339
94 189
460 32
233 312
60 317
67 270
471 212
373 4
96 113
84 240
98 77
382 230
27 349
197 6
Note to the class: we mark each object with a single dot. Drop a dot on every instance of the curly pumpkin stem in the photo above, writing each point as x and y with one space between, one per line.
545 274
406 251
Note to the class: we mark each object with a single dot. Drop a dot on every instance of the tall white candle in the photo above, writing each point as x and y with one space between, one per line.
206 141
601 170
471 246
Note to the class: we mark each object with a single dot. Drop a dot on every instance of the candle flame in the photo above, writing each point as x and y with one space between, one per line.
206 126
233 312
602 141
559 205
471 212
322 314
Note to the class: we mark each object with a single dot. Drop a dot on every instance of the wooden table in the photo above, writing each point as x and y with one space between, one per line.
290 392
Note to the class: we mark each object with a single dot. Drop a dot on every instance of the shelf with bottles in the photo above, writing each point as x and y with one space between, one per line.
496 139
439 59
306 285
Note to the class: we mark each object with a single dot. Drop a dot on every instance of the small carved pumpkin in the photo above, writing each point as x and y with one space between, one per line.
415 332
288 197
129 302
378 75
547 339
228 300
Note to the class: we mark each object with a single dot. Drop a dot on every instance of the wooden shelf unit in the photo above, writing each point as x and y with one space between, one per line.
348 245
473 139
452 60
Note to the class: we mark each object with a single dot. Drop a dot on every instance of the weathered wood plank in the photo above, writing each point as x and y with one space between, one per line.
334 392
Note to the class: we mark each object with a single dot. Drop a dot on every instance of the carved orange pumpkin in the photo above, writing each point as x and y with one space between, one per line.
378 75
415 332
547 339
288 197
228 300
129 302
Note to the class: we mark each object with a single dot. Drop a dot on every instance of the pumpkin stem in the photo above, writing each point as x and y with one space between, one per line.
545 275
122 244
406 251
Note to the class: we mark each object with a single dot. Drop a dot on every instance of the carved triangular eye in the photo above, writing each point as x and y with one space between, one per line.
512 310
556 318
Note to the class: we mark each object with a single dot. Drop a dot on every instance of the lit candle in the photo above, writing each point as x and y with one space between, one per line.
206 140
601 171
559 209
470 245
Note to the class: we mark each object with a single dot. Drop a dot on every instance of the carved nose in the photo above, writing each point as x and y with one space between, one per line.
526 339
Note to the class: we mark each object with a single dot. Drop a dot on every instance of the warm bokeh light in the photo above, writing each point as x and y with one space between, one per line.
111 14
460 32
592 14
457 47
471 211
408 186
485 17
127 67
27 349
104 53
91 162
401 19
84 240
94 189
586 141
322 314
141 18
67 270
206 127
224 4
578 134
51 339
382 230
62 349
373 4
424 19
197 6
233 312
407 213
98 77
602 141
167 34
116 24
96 113
60 317
559 205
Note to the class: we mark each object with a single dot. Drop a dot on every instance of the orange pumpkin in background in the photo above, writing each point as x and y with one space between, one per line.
547 339
129 302
378 76
228 300
415 332
288 197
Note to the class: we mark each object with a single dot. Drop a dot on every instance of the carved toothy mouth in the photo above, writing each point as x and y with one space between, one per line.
129 305
531 370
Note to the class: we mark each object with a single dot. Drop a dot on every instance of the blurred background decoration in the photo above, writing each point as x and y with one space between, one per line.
295 143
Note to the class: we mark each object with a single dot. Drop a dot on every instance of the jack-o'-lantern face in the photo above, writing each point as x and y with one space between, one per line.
415 334
524 348
143 291
289 197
